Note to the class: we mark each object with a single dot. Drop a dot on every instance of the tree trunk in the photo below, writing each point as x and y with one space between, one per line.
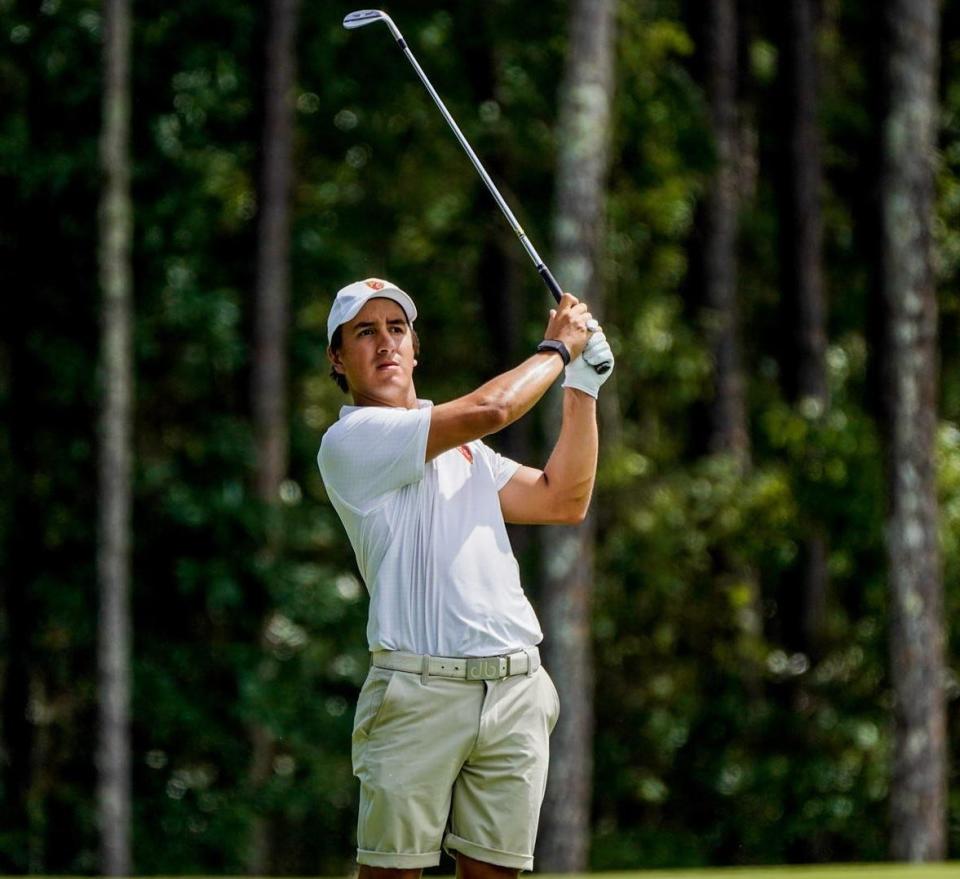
583 140
269 368
803 365
918 787
727 415
801 216
269 378
726 431
113 546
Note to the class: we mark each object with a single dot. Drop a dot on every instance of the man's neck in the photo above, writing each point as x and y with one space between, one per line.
410 402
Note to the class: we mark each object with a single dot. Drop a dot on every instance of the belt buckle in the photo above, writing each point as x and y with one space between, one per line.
486 668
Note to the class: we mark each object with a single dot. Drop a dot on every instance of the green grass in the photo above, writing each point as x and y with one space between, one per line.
830 871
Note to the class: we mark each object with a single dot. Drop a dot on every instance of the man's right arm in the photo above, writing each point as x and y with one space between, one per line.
509 396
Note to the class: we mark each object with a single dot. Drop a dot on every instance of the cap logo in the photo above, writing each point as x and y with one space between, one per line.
375 285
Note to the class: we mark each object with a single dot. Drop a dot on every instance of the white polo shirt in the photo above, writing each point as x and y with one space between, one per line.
429 538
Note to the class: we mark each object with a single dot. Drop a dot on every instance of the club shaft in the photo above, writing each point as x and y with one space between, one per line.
545 273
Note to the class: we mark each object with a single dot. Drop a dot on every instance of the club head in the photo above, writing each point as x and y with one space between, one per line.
363 17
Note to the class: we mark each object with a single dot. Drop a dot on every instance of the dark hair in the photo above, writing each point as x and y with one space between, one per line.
336 343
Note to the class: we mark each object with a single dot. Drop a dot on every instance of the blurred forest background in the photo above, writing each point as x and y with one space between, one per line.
754 633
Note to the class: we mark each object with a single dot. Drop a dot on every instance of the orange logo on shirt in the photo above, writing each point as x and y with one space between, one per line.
374 284
465 451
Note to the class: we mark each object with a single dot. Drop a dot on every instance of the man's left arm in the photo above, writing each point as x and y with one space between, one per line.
560 493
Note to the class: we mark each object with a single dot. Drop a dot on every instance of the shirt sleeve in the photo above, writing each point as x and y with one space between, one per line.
373 451
501 468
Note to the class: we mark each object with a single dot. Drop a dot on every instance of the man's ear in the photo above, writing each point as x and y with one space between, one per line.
334 358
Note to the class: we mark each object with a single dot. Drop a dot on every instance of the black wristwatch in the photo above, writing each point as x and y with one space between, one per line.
557 346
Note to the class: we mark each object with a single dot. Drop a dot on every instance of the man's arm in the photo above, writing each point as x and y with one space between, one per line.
560 493
504 399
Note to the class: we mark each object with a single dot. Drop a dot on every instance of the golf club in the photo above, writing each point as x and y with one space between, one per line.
363 17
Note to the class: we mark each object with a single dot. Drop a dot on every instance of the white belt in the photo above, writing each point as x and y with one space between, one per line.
470 668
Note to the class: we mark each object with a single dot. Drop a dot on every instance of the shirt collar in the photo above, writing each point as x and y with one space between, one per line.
346 410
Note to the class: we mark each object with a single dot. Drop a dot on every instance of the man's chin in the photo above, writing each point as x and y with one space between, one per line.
390 387
394 376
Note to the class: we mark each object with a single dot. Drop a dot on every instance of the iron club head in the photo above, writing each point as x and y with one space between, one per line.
363 17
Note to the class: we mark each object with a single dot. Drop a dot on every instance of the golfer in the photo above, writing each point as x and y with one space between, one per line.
452 726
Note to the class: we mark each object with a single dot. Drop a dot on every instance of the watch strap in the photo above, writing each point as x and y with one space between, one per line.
556 346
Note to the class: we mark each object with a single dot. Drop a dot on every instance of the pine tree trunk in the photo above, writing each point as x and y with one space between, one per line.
728 416
918 786
726 430
269 369
803 367
801 215
113 549
269 375
586 98
563 843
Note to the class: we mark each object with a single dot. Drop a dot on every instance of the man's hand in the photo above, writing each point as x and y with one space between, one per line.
581 375
568 324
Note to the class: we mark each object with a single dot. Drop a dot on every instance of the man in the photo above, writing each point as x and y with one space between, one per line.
451 733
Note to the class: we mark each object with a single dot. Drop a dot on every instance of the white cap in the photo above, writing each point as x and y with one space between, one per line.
350 299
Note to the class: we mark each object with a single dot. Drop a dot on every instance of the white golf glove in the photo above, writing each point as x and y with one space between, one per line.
580 373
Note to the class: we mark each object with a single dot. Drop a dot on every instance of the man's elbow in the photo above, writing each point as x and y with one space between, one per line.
500 416
575 513
491 416
564 506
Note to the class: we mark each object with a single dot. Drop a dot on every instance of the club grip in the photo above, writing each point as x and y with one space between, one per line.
550 281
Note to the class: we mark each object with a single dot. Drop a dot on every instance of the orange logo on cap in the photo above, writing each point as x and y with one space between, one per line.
375 285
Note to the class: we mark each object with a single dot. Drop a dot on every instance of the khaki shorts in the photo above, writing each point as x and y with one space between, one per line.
452 762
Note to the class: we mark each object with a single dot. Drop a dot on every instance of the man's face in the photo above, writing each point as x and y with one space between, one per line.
376 355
